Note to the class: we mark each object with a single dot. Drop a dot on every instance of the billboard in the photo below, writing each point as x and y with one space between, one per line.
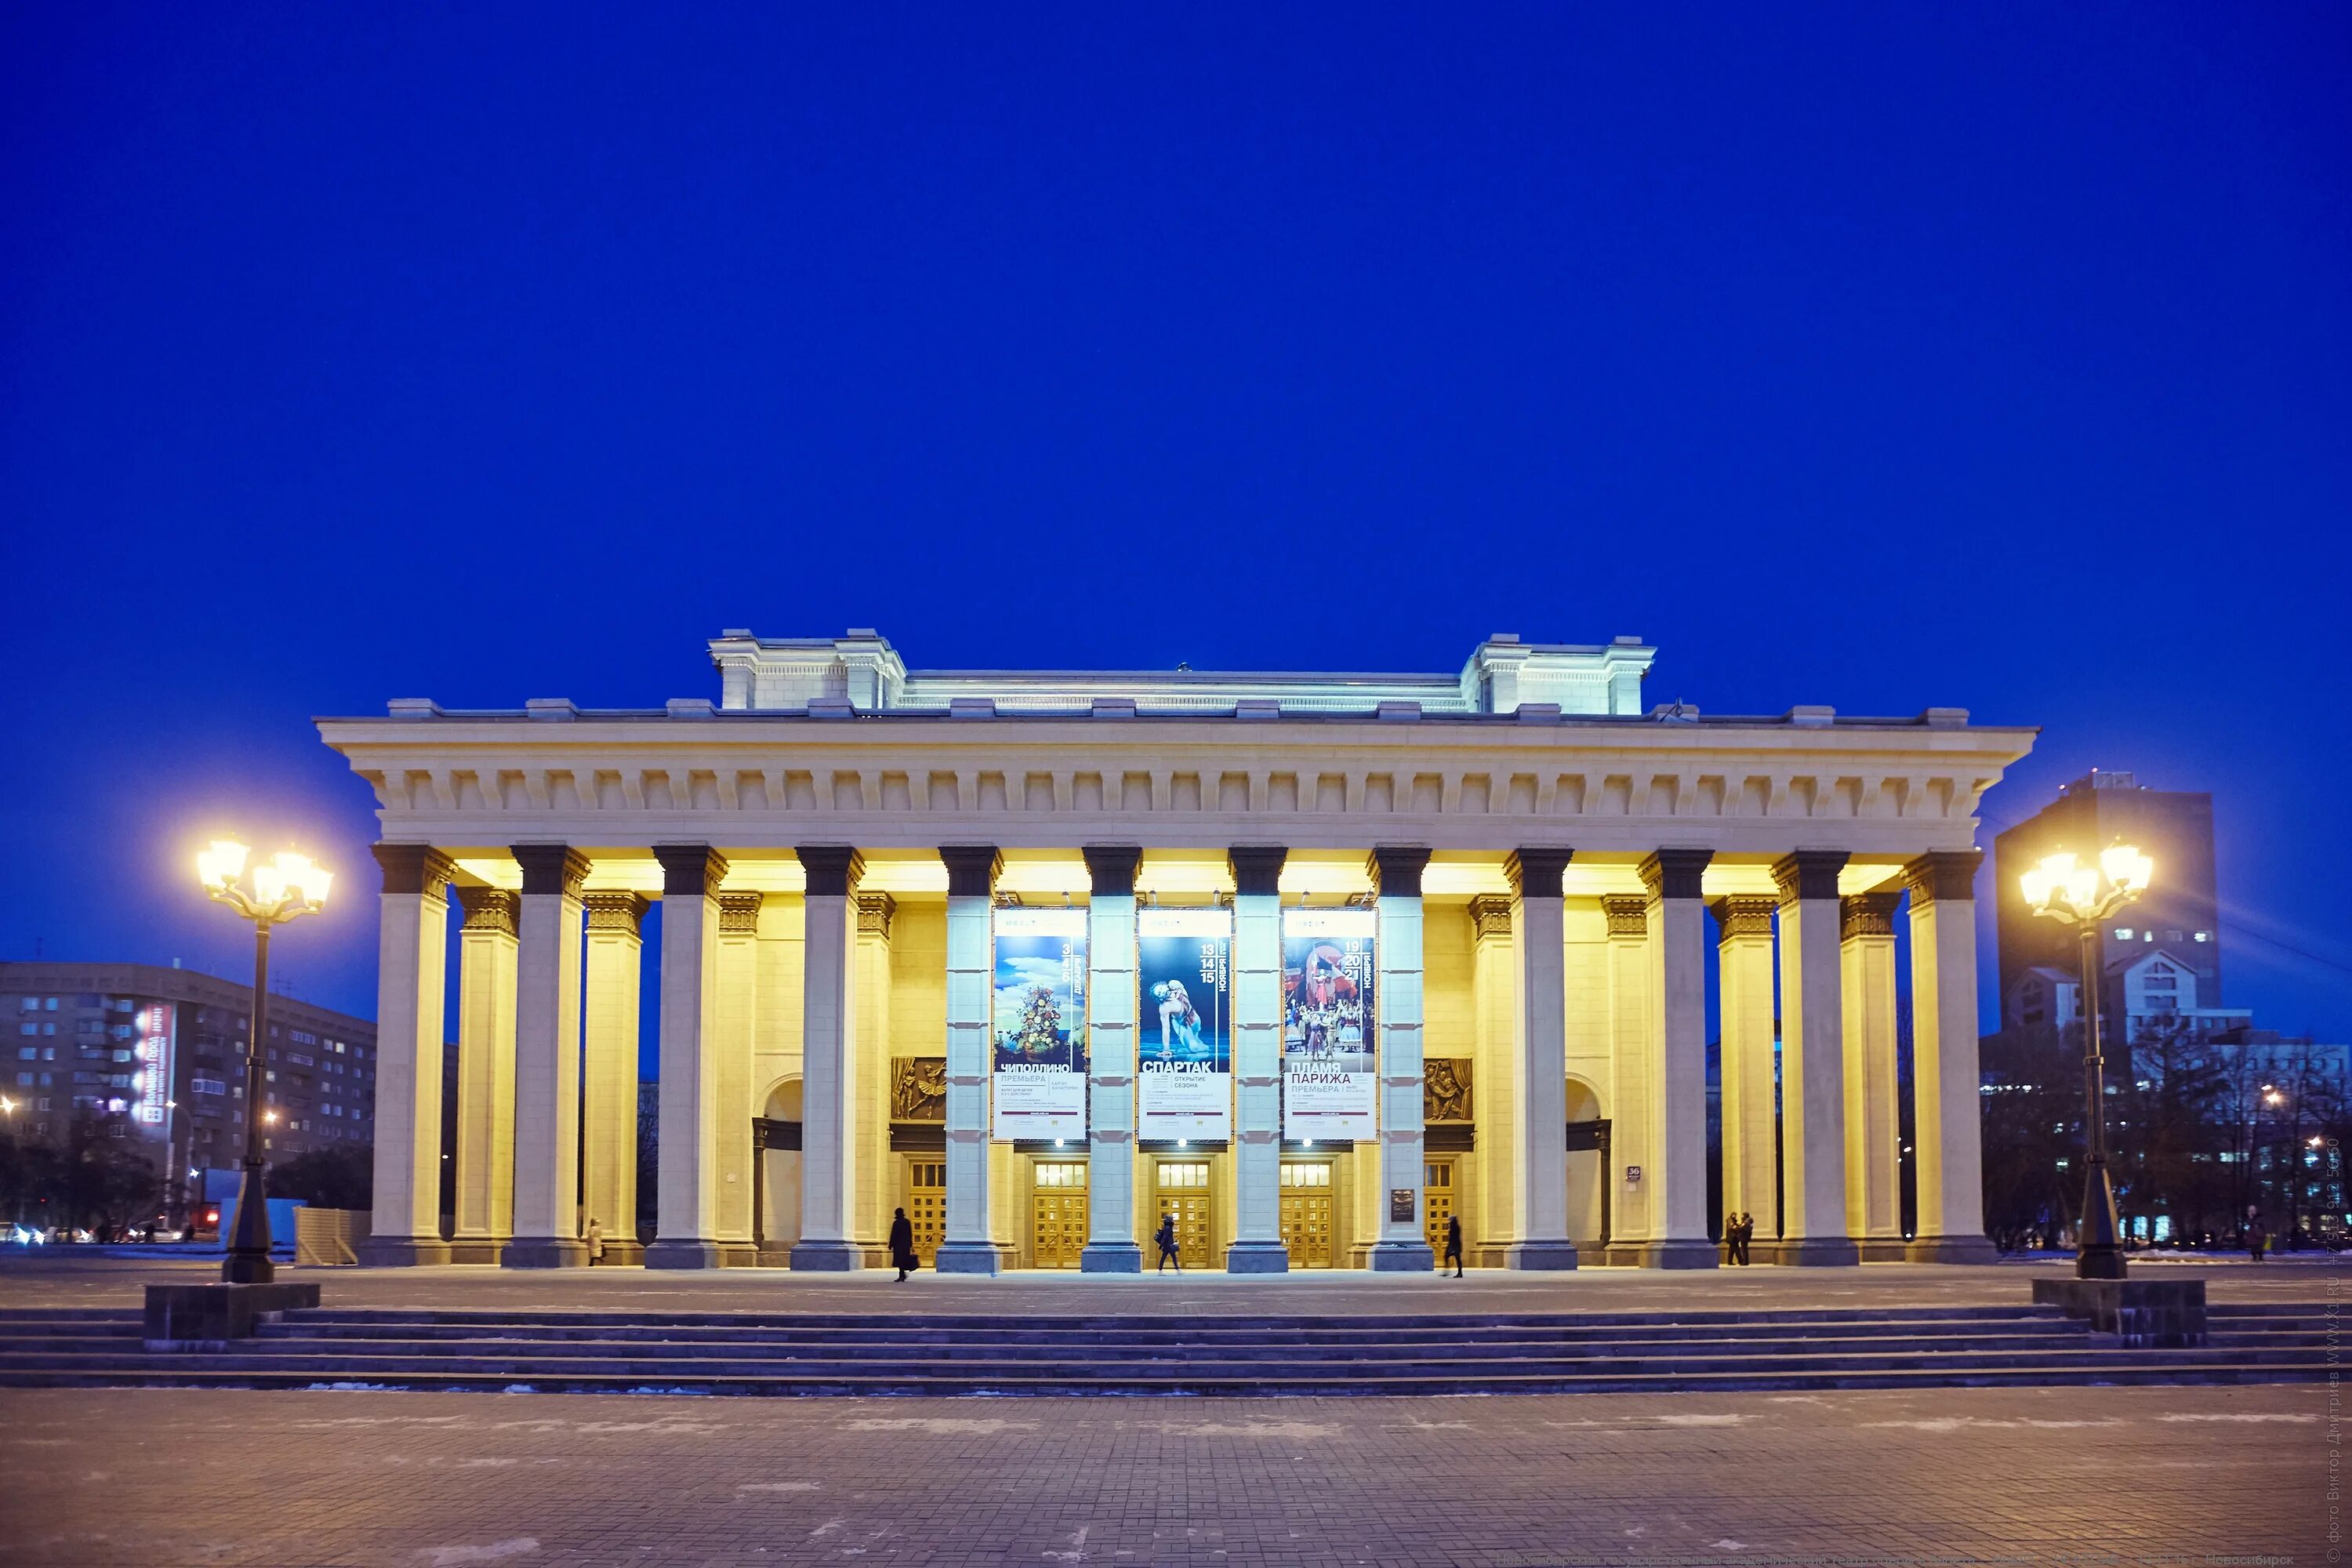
154 1052
1039 1061
1184 1057
1329 1089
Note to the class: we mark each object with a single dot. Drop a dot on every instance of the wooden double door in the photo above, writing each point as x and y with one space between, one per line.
1184 1194
1306 1213
1057 1231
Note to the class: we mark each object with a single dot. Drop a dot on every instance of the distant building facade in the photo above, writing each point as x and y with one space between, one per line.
158 1054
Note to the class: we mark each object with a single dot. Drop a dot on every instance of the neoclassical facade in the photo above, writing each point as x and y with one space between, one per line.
1444 949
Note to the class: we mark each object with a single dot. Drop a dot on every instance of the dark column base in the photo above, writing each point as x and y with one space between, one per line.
1541 1255
968 1257
1951 1249
2139 1312
828 1256
692 1252
1403 1258
402 1252
1110 1257
544 1252
1677 1255
623 1254
1815 1252
206 1317
475 1249
1257 1258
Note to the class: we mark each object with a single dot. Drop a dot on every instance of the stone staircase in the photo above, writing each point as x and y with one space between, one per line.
751 1353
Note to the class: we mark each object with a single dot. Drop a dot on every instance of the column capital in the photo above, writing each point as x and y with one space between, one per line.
1867 914
1490 916
1629 913
1113 868
617 913
415 869
488 909
832 870
973 869
689 870
1396 869
551 868
1745 917
739 913
1674 873
1809 874
1943 876
874 912
1256 868
1536 873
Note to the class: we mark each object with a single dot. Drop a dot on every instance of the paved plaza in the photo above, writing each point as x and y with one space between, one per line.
431 1480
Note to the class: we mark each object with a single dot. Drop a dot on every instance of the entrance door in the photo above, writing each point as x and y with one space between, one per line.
1058 1233
927 1205
1437 1204
1306 1213
1184 1193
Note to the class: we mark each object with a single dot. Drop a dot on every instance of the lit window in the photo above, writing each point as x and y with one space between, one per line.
2204 936
2123 933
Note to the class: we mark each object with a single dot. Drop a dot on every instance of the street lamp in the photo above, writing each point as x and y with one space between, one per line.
284 888
2085 896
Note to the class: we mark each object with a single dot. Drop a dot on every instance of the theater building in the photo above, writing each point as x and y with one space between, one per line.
1307 962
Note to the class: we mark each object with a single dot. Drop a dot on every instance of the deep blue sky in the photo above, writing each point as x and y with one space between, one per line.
1885 357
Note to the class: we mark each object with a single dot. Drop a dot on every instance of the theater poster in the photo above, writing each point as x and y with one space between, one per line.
1039 1082
1184 1063
1329 1087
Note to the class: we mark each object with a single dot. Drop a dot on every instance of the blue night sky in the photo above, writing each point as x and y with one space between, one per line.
1881 356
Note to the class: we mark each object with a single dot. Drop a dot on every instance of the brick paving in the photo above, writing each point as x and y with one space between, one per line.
1950 1476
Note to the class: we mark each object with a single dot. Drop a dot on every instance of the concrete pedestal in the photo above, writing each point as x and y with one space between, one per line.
1683 1254
1402 1257
474 1251
623 1254
968 1257
690 1253
1815 1252
1951 1249
1110 1257
828 1256
206 1317
2139 1312
1257 1258
401 1252
544 1252
1541 1255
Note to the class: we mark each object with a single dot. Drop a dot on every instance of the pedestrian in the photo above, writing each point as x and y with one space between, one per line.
902 1244
1166 1239
2258 1241
1454 1243
1741 1230
596 1241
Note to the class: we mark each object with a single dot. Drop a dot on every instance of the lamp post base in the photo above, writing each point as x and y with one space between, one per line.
2100 1262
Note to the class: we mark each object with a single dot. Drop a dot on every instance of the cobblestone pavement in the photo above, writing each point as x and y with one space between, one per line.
64 1278
430 1481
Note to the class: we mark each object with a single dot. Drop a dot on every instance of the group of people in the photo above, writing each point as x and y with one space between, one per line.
1738 1230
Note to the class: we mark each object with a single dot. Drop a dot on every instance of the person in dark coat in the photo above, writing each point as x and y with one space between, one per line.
1166 1238
1738 1230
1454 1243
902 1244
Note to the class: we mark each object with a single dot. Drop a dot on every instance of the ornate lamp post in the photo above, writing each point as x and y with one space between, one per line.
288 887
2082 897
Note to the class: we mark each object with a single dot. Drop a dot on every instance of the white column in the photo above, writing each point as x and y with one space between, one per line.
1750 1161
608 1115
739 1004
1539 1061
1631 1003
412 963
1111 1003
1812 1062
1495 985
968 1246
1874 1207
829 1026
486 1076
688 1187
1677 1061
1946 1121
1257 1061
874 1180
547 1217
1403 1246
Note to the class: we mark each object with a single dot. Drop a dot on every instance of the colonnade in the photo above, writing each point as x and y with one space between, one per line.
548 1100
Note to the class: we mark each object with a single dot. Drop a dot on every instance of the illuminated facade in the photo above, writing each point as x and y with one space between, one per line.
1306 963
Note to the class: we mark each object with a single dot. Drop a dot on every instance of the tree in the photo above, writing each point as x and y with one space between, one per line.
336 1178
106 1183
2173 1124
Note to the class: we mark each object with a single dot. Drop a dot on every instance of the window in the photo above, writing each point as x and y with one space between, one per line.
1314 1175
2123 933
30 1029
299 1059
30 1004
26 1079
45 1103
48 1028
28 1054
124 1056
49 1004
2204 936
207 1086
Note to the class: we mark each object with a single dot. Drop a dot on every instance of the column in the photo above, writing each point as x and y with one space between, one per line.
486 1076
608 1117
875 1182
1111 1003
1677 1060
547 1218
829 1026
1874 1207
1946 1121
1257 1061
1812 1062
1629 1163
738 999
1750 1160
411 962
1539 1060
1403 1246
968 1246
1494 984
686 1113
